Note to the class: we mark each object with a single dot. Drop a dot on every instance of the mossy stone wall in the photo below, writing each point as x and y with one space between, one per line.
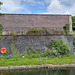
22 43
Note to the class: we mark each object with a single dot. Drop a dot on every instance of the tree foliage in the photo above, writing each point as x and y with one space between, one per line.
0 6
73 22
1 3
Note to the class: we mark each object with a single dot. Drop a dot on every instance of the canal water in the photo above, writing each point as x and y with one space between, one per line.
41 72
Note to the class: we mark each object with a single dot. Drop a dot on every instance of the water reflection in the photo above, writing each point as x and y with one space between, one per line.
41 72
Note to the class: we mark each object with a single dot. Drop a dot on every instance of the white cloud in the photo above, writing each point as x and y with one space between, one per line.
18 5
55 6
52 6
12 5
67 1
72 10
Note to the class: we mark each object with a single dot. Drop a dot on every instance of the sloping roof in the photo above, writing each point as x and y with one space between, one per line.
16 22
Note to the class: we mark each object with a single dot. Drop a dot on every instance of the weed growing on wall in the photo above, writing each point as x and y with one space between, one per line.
36 31
13 50
66 29
32 31
13 36
1 27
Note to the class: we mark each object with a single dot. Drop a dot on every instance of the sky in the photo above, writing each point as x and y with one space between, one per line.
38 7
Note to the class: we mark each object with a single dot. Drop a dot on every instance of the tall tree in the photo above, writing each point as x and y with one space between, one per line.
73 22
0 5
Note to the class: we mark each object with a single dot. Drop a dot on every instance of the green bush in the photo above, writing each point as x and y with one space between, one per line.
13 50
59 47
74 38
31 51
25 54
56 48
74 41
73 22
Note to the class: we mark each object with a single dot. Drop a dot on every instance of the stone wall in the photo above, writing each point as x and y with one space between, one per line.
20 22
22 43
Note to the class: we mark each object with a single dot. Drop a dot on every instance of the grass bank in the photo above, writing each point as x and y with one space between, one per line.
36 61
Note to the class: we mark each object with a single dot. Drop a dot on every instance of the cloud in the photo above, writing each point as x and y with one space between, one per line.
57 7
44 6
67 2
12 5
72 10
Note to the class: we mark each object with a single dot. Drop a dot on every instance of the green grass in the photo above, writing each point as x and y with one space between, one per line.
35 61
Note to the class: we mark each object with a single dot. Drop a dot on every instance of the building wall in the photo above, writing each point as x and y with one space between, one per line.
22 43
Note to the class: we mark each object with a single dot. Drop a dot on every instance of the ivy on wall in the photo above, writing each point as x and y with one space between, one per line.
66 29
1 27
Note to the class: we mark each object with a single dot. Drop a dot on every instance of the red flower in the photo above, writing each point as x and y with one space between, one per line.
3 50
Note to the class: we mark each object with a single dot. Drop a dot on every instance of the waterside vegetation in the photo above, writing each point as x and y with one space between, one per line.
57 53
19 61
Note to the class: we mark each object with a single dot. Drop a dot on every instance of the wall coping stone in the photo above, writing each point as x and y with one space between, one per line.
37 67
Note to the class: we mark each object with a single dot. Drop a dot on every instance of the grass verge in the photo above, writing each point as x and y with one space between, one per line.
36 61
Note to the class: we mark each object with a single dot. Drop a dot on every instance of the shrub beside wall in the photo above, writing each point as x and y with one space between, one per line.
56 48
59 48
